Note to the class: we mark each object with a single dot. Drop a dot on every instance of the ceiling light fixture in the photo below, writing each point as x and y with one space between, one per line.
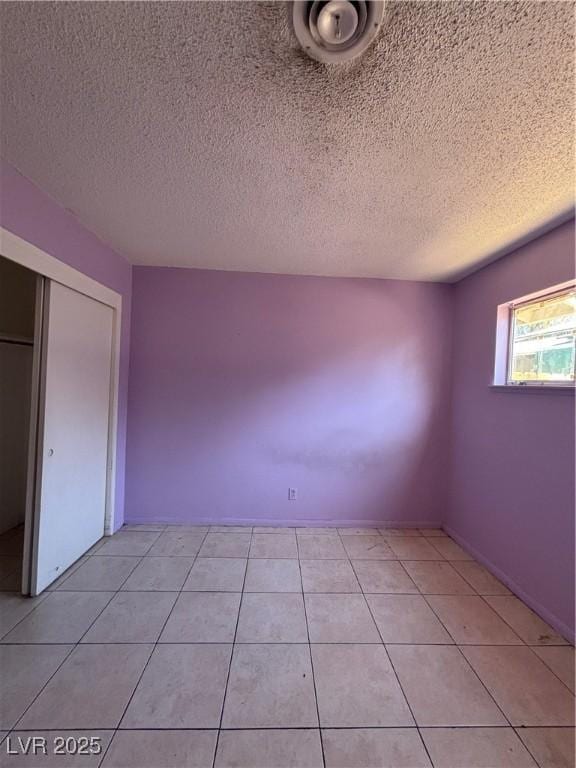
332 31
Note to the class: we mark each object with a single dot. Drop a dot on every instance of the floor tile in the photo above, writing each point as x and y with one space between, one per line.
132 617
59 754
399 532
187 528
272 618
25 670
216 575
273 545
312 531
177 544
340 619
471 621
531 628
273 576
57 583
159 574
480 578
374 748
412 548
358 531
437 578
230 529
367 548
273 748
90 690
526 690
433 533
328 576
14 607
161 749
226 545
406 619
128 543
203 617
552 747
356 687
318 547
560 659
62 618
143 527
182 687
270 686
377 576
96 546
441 688
100 573
450 549
476 748
273 529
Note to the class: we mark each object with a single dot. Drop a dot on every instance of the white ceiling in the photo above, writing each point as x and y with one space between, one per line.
198 134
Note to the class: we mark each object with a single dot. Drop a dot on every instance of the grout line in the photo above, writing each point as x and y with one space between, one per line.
65 592
311 659
231 657
197 557
483 598
470 665
74 645
427 598
532 647
30 612
325 728
154 645
393 667
271 642
527 748
73 648
58 668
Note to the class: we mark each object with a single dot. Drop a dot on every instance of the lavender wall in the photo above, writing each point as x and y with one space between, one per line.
33 216
242 385
512 466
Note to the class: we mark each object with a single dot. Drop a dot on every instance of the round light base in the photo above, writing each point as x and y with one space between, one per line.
332 31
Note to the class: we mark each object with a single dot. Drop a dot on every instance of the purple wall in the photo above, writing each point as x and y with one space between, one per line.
29 213
512 465
242 385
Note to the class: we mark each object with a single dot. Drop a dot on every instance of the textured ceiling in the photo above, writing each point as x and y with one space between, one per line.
198 134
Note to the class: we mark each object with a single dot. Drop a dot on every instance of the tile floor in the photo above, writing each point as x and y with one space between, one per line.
282 648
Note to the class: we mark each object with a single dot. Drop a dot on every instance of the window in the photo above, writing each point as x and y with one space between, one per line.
542 339
536 341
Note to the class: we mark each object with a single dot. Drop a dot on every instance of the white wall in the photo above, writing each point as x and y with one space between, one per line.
17 290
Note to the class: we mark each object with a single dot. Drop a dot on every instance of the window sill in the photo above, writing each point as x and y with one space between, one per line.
540 389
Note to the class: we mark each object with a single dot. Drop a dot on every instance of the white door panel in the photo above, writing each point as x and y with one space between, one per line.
73 441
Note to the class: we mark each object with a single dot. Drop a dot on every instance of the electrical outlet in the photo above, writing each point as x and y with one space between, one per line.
292 494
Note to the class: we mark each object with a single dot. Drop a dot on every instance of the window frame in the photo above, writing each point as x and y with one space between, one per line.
504 342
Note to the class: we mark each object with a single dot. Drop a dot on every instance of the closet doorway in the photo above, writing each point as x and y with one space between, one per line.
58 400
18 287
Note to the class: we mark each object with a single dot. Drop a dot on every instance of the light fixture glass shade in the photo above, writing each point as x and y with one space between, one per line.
337 22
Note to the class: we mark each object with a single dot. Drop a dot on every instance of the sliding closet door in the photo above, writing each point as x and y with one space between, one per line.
73 435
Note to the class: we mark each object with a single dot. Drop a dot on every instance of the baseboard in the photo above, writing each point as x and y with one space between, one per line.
288 522
566 631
